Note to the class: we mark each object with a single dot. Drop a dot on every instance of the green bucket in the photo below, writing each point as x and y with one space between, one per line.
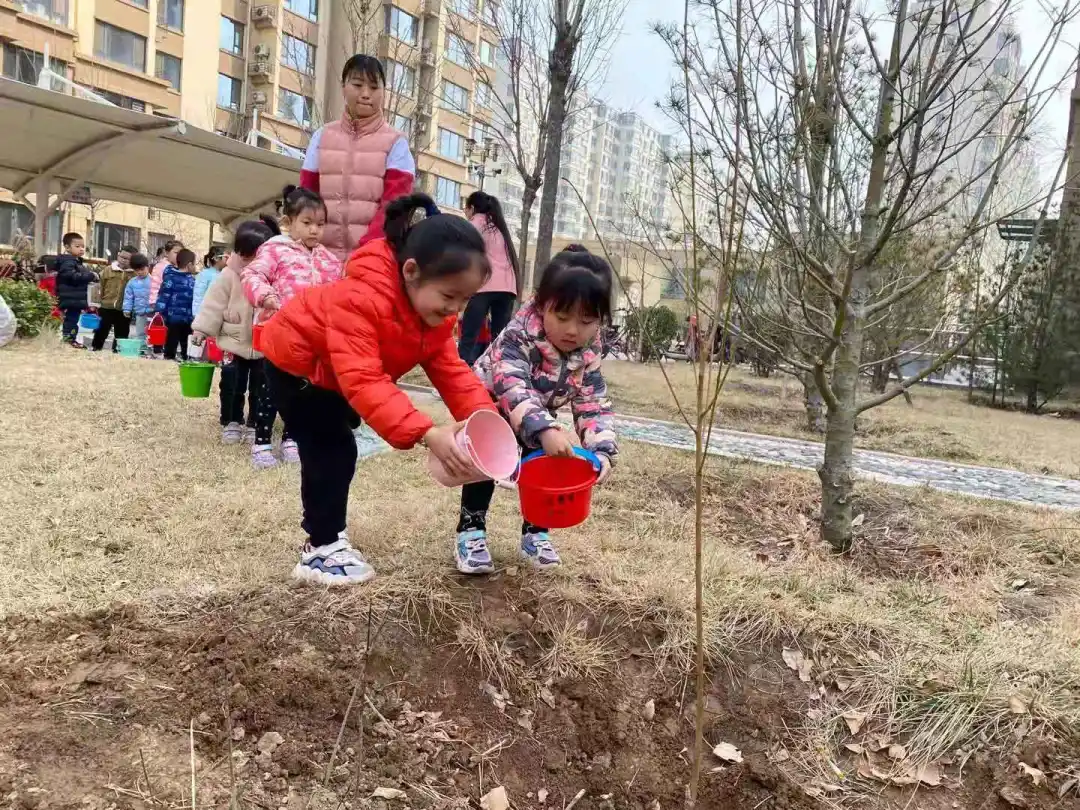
196 378
129 347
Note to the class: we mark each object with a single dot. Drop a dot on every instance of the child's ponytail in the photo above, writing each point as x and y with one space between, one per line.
440 244
577 278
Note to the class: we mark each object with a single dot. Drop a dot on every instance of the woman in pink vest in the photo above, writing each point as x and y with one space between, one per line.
359 164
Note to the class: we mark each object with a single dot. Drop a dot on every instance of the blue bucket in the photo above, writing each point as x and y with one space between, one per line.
88 320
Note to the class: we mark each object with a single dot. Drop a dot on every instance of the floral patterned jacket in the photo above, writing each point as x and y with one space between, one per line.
284 267
530 379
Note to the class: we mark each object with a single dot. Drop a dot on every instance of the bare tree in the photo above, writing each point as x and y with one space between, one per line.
849 148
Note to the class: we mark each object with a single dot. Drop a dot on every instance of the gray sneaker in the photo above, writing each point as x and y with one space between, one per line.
471 553
336 564
539 551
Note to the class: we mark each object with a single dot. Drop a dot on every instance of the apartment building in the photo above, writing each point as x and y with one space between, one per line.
268 71
616 162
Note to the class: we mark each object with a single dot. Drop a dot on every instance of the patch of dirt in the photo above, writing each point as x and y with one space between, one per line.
108 712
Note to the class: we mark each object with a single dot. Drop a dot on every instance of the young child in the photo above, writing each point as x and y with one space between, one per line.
114 280
227 316
137 295
548 356
213 262
336 351
72 280
174 303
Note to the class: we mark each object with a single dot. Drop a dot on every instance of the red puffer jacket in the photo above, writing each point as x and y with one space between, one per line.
359 335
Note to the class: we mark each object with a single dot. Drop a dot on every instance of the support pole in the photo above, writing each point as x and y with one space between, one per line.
41 213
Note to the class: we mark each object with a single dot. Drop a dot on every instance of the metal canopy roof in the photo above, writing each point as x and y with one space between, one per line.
57 143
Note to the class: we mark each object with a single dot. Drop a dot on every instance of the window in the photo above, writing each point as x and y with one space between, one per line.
18 220
402 123
294 107
157 240
228 92
117 45
52 10
126 102
457 50
451 145
109 238
298 55
447 192
462 7
168 68
481 131
140 3
1001 66
487 53
455 97
25 66
232 36
491 13
170 13
400 78
483 95
401 25
305 8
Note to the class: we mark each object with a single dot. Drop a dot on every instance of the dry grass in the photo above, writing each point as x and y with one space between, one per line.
940 424
115 488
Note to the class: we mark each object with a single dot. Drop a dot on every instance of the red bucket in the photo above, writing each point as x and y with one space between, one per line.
156 331
214 354
256 337
556 492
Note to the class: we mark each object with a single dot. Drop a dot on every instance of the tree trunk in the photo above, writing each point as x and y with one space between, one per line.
527 277
815 405
1031 404
560 67
836 472
880 379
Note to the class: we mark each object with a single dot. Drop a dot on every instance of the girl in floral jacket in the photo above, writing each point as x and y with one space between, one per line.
547 357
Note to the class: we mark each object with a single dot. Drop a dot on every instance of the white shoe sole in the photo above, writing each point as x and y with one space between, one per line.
535 563
469 570
303 573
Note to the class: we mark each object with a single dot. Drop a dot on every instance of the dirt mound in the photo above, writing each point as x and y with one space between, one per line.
273 698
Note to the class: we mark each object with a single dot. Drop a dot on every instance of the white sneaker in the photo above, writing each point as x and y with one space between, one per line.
249 435
290 453
336 564
232 433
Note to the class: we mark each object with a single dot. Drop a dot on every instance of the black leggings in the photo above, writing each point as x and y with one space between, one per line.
500 305
475 500
235 376
321 423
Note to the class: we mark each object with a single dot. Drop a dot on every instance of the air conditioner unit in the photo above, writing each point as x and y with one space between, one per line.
263 16
258 97
421 128
261 51
260 70
427 56
425 109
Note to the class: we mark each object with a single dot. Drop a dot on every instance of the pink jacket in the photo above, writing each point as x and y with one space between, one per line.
284 267
357 167
502 270
157 275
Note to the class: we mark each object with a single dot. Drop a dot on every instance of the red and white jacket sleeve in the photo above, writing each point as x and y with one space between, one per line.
397 182
309 170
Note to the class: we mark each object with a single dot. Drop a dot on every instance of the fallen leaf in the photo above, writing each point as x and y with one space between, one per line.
1037 776
541 795
648 711
1066 786
929 774
842 683
829 787
1017 584
781 755
897 752
854 720
793 658
389 793
865 770
727 752
855 748
859 520
815 714
496 800
1017 705
806 667
547 696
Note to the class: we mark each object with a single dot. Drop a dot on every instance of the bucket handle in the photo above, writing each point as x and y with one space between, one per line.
581 452
505 483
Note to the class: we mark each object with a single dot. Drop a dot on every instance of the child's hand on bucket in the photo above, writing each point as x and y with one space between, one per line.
198 338
442 443
556 443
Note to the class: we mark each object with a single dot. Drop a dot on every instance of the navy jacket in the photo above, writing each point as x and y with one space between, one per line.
72 279
175 296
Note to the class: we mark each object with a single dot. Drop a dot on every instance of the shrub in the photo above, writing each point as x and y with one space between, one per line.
32 305
658 325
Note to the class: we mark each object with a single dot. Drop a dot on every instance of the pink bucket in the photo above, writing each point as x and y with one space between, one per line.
492 446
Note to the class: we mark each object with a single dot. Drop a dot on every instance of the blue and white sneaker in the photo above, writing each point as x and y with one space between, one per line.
336 564
368 442
471 553
537 549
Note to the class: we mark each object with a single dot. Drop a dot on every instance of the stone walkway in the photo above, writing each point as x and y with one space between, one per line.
979 482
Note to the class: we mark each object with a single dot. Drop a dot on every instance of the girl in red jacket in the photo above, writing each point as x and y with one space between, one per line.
335 352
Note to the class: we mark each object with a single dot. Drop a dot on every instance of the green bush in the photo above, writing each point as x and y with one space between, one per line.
31 304
658 324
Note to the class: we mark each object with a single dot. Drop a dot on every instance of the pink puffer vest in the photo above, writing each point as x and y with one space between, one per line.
351 170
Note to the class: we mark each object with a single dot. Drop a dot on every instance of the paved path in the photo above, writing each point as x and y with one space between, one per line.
980 482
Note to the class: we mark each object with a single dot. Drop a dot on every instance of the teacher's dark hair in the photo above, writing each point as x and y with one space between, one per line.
368 67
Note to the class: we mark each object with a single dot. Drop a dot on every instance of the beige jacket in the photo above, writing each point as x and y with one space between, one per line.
226 315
